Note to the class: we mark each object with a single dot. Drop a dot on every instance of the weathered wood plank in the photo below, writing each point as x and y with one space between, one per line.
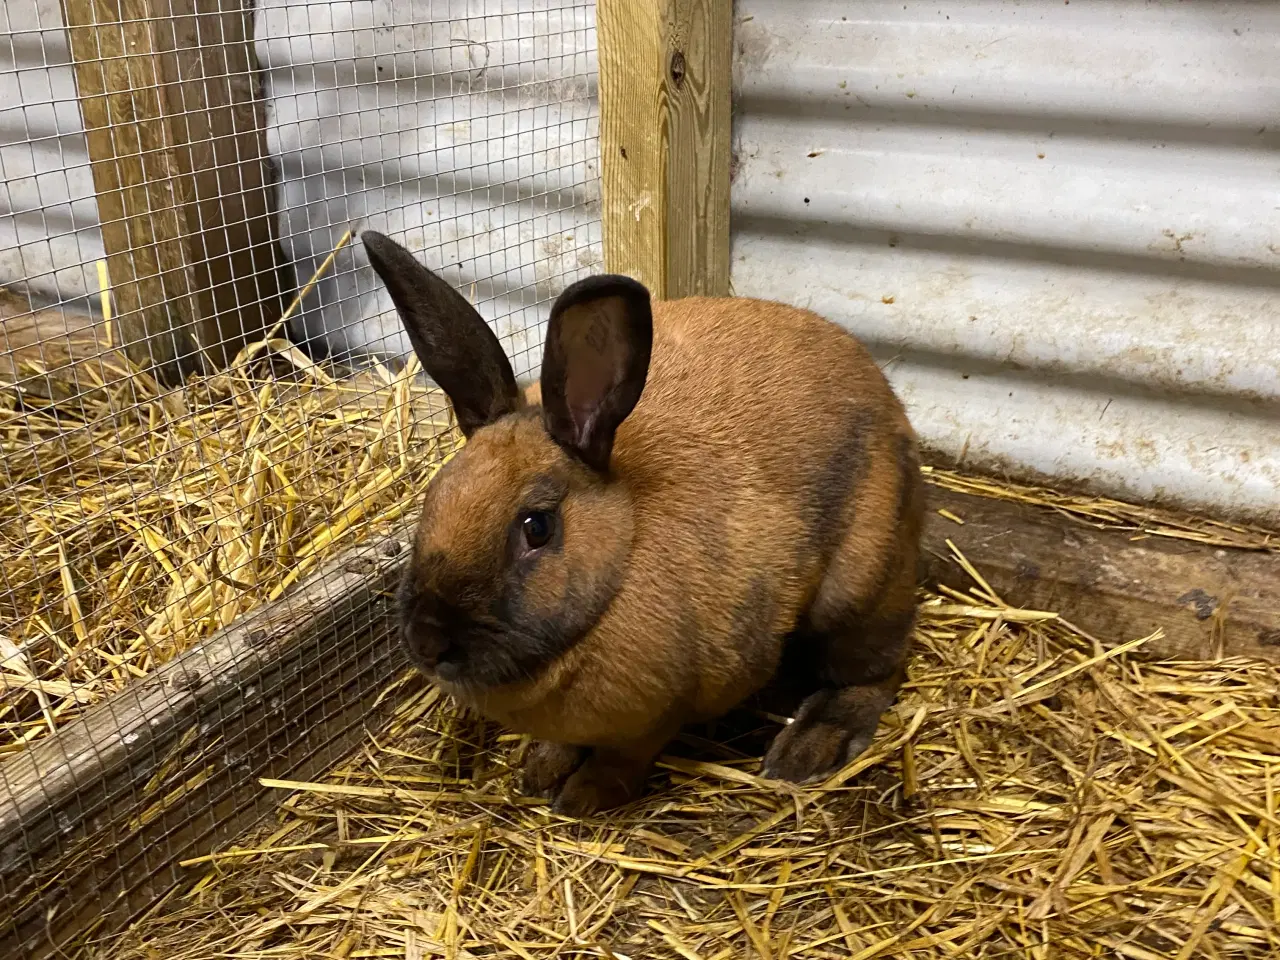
1210 602
665 109
94 820
175 126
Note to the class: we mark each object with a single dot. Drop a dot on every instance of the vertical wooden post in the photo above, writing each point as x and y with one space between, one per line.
665 103
177 143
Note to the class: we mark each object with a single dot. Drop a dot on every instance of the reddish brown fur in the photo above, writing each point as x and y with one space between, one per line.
722 533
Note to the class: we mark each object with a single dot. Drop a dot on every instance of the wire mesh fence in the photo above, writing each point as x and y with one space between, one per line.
212 428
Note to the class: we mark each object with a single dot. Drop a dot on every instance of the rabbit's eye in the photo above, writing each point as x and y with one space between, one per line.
538 527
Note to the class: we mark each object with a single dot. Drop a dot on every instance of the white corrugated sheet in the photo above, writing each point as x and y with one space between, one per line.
1057 224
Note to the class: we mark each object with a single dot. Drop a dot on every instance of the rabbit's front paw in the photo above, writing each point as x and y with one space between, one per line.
548 765
606 779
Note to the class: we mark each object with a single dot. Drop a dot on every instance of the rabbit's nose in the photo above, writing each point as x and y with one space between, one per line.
425 639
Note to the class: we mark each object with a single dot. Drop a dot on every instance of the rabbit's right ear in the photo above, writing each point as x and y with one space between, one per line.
452 341
595 363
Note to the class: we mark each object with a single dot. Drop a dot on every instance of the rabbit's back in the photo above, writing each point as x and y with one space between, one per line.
766 438
748 399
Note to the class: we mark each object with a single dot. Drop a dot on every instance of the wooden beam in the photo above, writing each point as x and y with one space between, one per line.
95 819
1210 602
175 125
665 103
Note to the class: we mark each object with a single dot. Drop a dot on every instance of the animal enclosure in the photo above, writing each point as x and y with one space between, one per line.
214 439
205 399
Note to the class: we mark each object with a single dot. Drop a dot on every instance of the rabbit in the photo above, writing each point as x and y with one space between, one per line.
698 496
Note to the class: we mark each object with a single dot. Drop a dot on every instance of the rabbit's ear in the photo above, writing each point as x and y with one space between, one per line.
452 341
594 363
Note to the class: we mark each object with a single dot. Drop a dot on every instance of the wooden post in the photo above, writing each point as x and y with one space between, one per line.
175 126
665 101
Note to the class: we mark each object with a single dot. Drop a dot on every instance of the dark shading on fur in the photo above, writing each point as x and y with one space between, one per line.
457 643
840 475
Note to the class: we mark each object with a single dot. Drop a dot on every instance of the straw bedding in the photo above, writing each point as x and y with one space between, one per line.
1036 793
136 520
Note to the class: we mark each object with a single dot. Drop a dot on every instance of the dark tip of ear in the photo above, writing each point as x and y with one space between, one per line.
384 253
603 285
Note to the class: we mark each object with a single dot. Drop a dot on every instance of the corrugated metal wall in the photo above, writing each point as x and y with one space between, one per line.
1058 224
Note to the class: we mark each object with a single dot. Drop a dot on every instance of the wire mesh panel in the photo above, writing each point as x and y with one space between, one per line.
213 431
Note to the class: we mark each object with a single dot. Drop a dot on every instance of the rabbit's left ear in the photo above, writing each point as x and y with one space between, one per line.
452 341
594 364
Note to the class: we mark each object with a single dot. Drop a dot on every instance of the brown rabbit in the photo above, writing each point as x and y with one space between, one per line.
702 486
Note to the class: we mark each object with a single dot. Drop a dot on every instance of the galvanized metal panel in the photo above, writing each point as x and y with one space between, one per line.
1058 225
